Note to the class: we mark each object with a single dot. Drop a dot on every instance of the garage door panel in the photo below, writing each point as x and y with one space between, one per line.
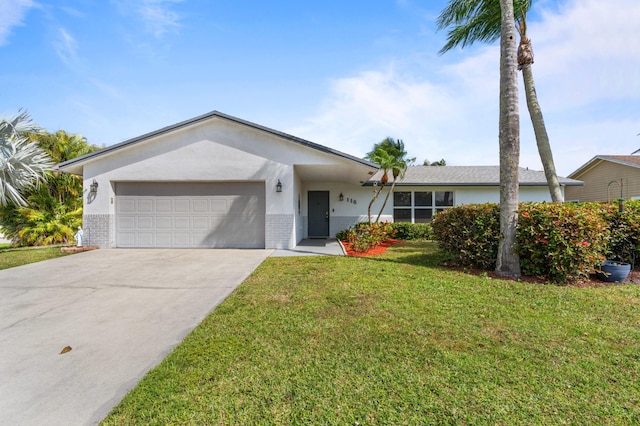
164 222
218 206
164 205
164 239
145 206
201 222
182 239
144 239
212 215
200 206
127 206
182 222
182 206
145 222
125 223
127 239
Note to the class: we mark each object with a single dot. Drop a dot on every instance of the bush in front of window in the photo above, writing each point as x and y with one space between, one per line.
412 231
469 234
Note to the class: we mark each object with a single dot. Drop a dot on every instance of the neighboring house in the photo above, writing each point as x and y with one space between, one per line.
219 181
426 190
607 178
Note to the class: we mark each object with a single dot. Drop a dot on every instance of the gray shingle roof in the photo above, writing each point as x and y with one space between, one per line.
468 176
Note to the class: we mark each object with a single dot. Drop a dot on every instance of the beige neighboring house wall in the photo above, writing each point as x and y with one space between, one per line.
602 176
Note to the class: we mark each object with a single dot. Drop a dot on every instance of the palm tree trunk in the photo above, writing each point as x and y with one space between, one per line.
376 194
508 262
386 199
542 138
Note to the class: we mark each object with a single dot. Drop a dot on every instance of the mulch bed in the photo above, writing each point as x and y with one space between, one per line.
77 249
592 281
372 251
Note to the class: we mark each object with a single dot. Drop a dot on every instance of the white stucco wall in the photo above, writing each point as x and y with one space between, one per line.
476 194
483 194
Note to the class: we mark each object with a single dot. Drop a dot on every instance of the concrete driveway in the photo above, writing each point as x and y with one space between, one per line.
121 312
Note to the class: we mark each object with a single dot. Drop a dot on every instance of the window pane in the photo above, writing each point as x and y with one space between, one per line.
423 199
444 198
402 199
423 215
402 215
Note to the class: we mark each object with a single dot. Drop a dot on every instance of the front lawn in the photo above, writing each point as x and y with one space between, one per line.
396 339
12 257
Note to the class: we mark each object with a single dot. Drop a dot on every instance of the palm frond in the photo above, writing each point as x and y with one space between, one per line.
470 21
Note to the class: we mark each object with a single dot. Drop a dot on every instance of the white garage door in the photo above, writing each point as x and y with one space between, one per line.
199 214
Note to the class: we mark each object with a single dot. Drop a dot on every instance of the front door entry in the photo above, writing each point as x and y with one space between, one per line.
318 214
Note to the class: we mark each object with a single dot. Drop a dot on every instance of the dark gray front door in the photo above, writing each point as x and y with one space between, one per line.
318 214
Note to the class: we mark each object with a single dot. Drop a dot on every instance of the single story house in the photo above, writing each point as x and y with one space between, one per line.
222 182
607 178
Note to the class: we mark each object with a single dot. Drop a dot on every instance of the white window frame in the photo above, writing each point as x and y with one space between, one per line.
413 207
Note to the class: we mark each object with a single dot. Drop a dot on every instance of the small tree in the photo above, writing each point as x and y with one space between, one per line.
391 156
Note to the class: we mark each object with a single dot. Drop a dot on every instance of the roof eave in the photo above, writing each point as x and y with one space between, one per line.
74 165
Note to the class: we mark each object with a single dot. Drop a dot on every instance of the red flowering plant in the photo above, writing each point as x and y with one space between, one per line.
364 236
561 242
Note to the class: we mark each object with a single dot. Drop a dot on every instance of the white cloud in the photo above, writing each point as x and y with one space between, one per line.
592 45
65 46
364 109
586 67
12 13
157 15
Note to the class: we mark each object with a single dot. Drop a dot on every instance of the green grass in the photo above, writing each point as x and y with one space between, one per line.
397 340
12 257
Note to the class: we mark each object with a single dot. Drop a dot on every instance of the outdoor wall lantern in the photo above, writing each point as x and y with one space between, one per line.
341 197
279 186
93 187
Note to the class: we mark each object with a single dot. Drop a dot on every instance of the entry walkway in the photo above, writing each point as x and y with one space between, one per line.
313 247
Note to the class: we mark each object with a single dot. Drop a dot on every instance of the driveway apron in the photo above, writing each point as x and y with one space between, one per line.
120 311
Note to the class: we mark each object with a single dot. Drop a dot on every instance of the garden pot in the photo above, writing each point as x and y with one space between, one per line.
613 271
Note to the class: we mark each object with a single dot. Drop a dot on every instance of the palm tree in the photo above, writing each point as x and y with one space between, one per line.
53 210
398 165
22 163
383 159
479 20
391 156
508 263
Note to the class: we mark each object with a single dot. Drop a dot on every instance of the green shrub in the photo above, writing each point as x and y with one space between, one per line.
561 242
469 234
412 231
364 235
624 228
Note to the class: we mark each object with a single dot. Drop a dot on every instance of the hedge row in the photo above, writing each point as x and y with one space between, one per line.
560 242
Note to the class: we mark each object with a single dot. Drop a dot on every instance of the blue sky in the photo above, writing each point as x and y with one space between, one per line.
345 74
